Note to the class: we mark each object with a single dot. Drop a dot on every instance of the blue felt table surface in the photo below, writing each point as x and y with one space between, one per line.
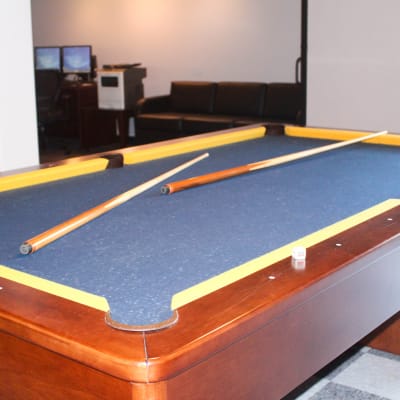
141 253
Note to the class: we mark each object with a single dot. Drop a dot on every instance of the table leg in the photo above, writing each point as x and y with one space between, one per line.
386 337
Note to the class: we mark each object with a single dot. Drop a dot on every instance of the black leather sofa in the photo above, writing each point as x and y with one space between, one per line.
198 107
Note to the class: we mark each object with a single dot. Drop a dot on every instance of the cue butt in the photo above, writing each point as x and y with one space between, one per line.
52 234
244 169
177 186
25 248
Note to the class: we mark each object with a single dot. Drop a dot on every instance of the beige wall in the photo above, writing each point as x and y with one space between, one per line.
354 64
353 77
174 39
252 40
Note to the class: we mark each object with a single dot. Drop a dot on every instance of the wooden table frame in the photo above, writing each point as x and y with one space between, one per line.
258 338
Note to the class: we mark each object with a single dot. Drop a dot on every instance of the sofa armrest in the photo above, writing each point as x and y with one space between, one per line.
153 104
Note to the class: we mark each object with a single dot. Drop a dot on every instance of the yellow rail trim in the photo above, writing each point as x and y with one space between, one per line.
148 153
45 175
340 134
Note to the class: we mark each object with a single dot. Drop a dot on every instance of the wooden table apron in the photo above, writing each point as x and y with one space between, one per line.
282 333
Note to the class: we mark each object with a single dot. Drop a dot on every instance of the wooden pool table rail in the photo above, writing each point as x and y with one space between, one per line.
283 330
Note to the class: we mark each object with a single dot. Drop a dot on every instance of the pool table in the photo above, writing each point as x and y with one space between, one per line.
195 295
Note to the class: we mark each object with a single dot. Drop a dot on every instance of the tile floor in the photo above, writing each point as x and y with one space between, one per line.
362 374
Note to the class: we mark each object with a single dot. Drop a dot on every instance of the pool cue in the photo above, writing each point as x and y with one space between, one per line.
52 234
244 169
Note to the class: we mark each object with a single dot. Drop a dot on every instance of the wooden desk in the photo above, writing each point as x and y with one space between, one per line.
88 124
92 126
80 95
103 127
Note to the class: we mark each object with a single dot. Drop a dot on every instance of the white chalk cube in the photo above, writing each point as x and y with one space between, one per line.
299 253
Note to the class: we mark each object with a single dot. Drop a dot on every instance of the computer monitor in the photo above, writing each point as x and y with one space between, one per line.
76 59
47 58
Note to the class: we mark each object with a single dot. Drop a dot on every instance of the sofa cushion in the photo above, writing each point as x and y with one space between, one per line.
248 121
192 97
283 102
168 122
239 98
205 123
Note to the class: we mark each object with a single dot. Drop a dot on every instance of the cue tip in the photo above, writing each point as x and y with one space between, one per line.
165 189
25 248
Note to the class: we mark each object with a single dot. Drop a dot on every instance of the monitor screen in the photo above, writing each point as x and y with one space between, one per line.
47 58
76 59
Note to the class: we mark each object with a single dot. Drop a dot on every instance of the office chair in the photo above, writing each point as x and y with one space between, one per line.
52 108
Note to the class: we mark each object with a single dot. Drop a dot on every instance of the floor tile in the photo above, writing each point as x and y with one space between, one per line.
334 391
374 374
